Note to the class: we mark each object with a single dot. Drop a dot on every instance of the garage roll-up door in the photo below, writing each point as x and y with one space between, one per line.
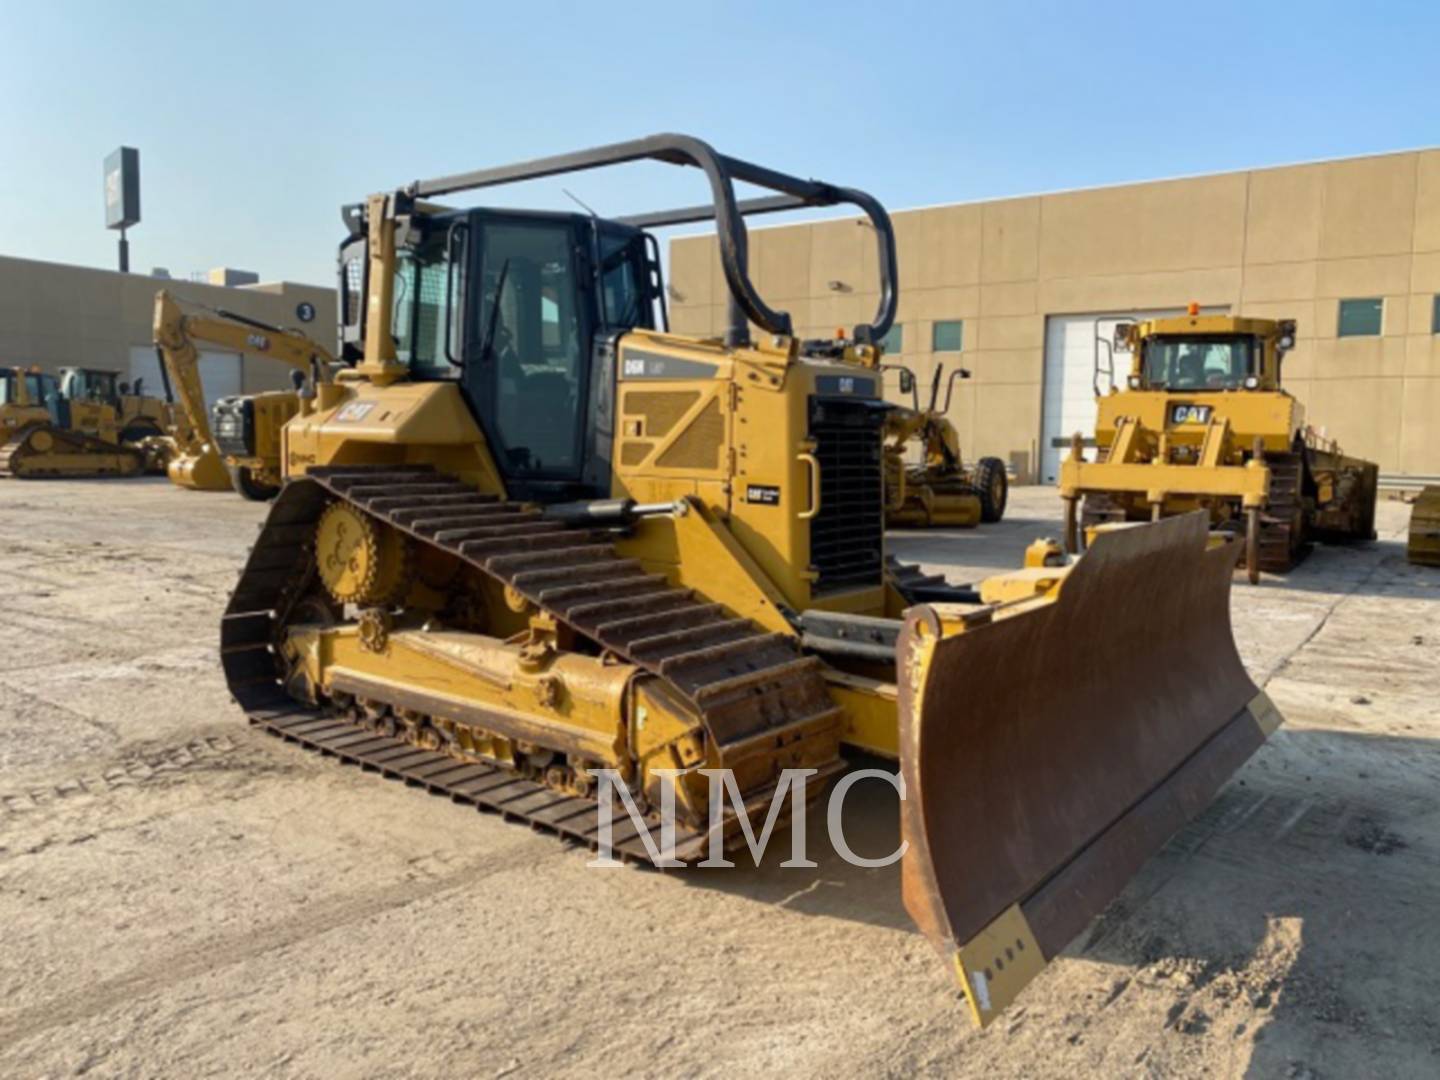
220 372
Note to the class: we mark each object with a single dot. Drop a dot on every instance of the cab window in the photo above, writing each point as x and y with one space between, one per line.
423 308
1199 363
39 387
622 281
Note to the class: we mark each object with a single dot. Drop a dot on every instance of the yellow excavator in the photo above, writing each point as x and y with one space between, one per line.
540 555
1205 424
83 423
243 450
940 490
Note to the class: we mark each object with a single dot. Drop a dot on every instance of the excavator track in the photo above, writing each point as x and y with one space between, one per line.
751 689
1283 542
70 454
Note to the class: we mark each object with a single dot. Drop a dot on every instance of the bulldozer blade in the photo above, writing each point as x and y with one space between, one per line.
1423 546
1049 750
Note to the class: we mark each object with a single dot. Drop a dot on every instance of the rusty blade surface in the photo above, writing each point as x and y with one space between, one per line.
1047 754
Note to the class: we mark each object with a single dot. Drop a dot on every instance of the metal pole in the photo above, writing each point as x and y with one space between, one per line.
124 253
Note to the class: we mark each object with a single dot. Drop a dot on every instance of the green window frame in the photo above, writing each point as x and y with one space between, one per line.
1363 317
947 335
894 341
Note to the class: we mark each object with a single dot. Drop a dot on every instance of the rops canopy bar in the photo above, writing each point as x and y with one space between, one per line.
727 212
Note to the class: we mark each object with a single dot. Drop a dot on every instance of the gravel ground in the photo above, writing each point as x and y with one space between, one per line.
181 896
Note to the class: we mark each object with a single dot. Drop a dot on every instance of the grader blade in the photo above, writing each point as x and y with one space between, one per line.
1049 751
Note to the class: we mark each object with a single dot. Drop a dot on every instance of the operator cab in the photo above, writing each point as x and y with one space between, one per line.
1203 354
31 388
519 308
524 309
89 384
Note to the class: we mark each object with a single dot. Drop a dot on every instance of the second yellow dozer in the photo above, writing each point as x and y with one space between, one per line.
84 423
1423 544
1205 424
939 490
532 536
242 448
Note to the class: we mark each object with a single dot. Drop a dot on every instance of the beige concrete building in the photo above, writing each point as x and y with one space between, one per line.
56 315
1012 289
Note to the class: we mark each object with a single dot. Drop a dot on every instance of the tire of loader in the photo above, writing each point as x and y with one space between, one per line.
993 488
243 480
1046 754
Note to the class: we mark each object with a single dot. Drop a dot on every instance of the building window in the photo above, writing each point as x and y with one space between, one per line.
894 341
946 336
1435 317
1360 318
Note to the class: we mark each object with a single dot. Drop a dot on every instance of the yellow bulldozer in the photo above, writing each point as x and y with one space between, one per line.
1205 424
540 555
242 449
940 489
83 423
1423 545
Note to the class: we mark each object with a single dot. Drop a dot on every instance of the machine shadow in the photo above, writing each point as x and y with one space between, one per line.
1282 910
1305 888
835 887
1369 568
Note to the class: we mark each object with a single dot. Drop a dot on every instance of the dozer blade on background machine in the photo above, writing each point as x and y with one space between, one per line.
549 543
1037 781
1422 546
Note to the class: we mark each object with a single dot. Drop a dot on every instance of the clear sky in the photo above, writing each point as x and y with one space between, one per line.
256 120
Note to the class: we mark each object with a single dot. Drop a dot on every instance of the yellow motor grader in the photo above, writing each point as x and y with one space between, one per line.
1205 424
85 423
243 449
940 490
533 541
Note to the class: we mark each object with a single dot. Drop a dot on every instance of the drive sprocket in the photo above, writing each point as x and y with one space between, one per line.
359 561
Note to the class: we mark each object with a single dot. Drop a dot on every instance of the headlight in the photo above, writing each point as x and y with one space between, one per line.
1252 382
1134 382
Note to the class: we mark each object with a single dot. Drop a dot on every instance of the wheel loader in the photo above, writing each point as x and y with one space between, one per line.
1423 545
243 450
1204 423
85 423
533 541
941 490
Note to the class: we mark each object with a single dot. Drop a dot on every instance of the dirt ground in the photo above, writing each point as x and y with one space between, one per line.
181 896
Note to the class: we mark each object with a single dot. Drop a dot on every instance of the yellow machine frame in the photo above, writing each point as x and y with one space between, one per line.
383 611
1165 451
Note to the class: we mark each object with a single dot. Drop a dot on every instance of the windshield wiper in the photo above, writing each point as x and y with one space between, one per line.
488 341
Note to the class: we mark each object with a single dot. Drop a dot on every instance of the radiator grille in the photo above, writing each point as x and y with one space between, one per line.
847 536
232 423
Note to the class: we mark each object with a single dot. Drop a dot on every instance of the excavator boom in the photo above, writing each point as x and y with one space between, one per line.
197 462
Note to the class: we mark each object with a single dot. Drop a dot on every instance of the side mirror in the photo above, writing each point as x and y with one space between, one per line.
1124 336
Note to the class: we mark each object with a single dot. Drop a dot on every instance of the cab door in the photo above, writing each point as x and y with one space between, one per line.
527 356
